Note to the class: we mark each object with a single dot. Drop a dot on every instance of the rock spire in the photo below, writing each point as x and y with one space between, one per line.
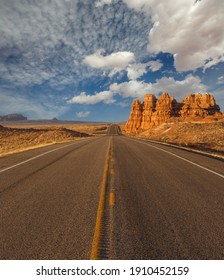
153 111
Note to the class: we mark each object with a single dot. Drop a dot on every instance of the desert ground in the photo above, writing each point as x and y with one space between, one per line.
21 136
207 137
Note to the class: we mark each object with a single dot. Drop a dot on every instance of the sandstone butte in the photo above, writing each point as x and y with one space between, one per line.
153 112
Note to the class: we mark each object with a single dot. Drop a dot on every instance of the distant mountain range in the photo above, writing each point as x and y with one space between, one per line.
17 118
13 117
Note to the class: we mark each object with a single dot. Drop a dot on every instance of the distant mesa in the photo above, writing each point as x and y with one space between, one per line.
54 120
13 117
153 111
2 128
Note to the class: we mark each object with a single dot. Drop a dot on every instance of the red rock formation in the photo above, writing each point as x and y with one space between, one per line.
154 112
199 105
166 107
134 122
149 106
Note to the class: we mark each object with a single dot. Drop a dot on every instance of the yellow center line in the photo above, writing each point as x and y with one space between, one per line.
112 171
112 199
95 251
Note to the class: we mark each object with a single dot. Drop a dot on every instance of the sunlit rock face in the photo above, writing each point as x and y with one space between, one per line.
149 106
199 105
166 107
135 120
153 111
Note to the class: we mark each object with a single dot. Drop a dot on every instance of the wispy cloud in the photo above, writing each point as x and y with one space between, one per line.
46 42
123 104
42 107
51 49
220 80
83 114
100 3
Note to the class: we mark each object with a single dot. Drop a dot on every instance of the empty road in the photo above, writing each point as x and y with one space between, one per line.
111 197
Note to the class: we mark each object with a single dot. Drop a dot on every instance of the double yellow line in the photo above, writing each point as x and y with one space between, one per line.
95 252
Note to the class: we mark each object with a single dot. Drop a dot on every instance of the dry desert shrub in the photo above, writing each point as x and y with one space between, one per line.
19 139
204 136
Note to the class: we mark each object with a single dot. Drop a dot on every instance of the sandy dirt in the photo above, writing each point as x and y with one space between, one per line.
16 138
202 136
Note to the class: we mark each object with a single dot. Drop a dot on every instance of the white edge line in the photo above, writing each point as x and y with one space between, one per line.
200 152
40 155
189 161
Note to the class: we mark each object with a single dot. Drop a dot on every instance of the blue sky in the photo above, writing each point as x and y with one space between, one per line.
87 60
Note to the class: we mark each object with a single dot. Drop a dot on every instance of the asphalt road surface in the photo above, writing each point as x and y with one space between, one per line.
160 202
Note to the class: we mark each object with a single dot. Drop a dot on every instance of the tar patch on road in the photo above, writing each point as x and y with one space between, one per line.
102 244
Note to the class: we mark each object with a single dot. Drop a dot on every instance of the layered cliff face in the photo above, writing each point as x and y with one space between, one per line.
149 106
199 105
166 107
156 111
135 119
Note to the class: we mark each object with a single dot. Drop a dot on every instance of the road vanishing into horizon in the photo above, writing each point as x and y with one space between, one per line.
153 201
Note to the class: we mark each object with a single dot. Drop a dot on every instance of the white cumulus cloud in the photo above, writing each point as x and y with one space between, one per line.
135 71
176 88
104 96
179 88
192 31
83 114
115 61
137 89
131 89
